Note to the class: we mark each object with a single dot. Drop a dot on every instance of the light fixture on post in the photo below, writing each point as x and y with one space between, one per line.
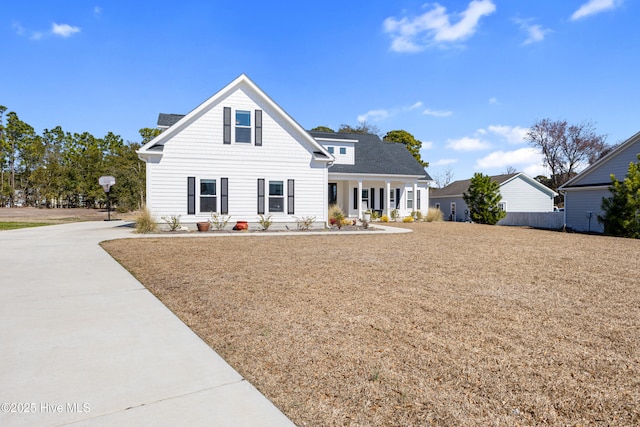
107 182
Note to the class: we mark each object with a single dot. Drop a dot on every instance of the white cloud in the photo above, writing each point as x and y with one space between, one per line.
493 101
513 134
435 113
467 144
593 7
527 157
97 10
434 27
18 28
375 115
36 35
427 145
414 106
535 32
64 30
443 162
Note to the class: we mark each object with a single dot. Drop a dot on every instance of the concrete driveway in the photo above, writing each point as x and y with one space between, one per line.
82 342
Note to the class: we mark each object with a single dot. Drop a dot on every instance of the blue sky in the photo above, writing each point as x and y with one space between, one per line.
465 77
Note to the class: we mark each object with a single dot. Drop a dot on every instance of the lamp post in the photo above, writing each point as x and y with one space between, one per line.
106 182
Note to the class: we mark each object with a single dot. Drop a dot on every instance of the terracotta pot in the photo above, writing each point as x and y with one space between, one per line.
203 226
241 225
332 221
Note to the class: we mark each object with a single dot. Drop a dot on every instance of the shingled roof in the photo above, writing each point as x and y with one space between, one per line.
456 188
168 120
374 156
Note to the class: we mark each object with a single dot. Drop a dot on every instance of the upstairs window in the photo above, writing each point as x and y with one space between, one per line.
343 150
208 195
243 126
330 150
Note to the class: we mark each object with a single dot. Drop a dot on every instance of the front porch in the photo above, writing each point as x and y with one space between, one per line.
356 196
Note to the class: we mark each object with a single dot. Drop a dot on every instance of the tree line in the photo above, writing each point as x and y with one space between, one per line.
61 169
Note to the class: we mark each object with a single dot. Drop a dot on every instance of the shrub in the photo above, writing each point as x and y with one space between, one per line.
384 218
305 222
173 221
433 215
374 215
417 215
145 223
408 219
219 221
265 222
395 214
335 212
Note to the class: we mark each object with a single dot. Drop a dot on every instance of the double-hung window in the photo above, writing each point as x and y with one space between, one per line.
208 195
276 196
330 150
243 126
365 198
392 197
343 150
409 199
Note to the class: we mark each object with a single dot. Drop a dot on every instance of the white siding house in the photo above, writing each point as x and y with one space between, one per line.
520 193
583 194
238 154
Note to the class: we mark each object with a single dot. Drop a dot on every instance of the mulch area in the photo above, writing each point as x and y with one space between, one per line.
453 324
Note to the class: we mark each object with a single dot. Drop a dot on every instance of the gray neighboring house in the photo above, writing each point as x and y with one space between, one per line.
583 193
520 193
369 173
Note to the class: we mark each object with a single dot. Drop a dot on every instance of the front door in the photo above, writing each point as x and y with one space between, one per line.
333 193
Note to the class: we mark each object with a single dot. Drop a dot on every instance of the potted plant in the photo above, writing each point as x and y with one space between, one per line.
203 225
366 216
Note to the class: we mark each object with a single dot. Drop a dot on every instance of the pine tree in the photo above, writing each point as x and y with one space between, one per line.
483 198
622 211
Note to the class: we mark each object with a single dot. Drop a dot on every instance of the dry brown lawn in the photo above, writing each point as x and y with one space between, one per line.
58 215
453 324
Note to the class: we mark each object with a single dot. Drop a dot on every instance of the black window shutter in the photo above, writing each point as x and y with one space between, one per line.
191 195
372 202
258 127
355 197
381 198
260 196
224 196
418 196
290 197
226 137
397 197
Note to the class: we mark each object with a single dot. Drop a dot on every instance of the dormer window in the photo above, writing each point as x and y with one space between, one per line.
243 126
330 150
343 150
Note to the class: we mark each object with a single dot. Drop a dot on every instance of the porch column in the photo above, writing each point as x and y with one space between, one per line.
387 194
359 198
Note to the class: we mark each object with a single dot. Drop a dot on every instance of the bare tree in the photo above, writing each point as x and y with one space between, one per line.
442 179
510 170
565 148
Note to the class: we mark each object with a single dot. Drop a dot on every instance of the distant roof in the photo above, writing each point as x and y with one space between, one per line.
456 188
374 156
168 120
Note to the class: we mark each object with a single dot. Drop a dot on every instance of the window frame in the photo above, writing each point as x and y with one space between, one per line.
243 127
213 196
274 197
343 151
330 150
365 199
410 199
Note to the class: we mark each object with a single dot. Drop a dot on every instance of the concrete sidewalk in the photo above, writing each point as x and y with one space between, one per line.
82 342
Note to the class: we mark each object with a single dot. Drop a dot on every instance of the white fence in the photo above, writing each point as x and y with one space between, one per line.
550 220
